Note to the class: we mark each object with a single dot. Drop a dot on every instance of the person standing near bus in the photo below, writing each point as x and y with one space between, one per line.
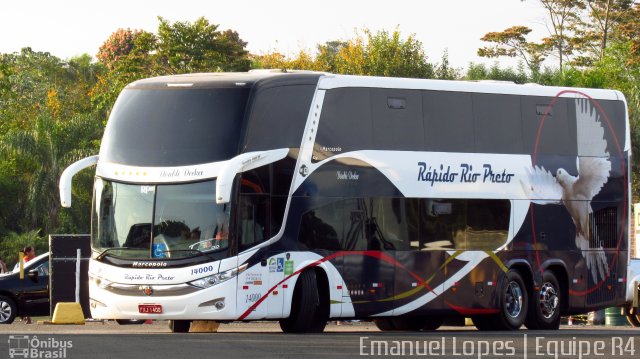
29 254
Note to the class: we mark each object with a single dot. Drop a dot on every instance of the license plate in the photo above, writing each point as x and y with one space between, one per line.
150 308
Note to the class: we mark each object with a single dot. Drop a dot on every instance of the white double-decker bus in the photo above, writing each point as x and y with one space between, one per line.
301 197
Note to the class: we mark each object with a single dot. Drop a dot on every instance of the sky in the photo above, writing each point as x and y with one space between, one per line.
67 28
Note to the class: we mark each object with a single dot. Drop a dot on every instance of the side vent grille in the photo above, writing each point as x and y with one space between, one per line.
603 228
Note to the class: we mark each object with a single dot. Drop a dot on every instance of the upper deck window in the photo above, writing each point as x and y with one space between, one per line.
174 126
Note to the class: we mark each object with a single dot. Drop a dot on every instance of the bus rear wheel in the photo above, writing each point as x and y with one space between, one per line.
634 320
544 310
309 307
179 326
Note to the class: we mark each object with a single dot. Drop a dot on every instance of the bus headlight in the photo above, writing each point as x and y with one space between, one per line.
100 282
212 280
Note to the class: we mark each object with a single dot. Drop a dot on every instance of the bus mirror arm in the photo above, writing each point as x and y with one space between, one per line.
241 163
67 176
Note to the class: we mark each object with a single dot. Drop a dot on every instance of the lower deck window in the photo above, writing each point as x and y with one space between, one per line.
406 224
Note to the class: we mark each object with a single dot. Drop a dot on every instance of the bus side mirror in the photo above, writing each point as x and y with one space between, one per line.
244 162
67 176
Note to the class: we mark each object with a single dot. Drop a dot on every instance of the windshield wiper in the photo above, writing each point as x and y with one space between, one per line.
103 253
201 253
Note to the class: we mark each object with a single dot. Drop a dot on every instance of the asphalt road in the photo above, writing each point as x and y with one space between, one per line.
264 340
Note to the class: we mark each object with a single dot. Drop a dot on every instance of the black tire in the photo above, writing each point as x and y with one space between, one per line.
634 320
545 305
410 324
513 302
414 324
129 321
179 326
432 323
309 308
385 325
8 310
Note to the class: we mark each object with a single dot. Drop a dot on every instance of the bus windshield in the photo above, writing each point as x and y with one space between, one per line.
158 221
174 126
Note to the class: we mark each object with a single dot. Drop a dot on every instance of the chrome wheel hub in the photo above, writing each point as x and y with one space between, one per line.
513 299
549 300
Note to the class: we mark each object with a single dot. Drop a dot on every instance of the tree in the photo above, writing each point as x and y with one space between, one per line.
374 54
596 27
327 58
199 47
562 14
384 54
444 71
179 47
512 42
12 243
629 31
495 72
43 150
119 44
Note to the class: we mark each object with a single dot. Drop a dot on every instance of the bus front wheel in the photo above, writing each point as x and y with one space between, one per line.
385 325
179 326
513 305
309 307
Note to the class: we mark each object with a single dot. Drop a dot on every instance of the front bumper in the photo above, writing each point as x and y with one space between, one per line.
178 302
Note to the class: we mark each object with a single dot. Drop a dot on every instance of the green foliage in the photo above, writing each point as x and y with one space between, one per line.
374 54
180 47
512 42
384 54
45 148
495 72
444 71
12 243
52 112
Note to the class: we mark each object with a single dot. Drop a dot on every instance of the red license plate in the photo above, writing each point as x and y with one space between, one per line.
150 308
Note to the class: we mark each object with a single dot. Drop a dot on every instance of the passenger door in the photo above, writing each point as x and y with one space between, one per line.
252 228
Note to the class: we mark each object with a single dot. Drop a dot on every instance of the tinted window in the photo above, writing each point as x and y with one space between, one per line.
497 123
487 223
253 220
448 121
397 119
172 127
406 223
277 117
323 228
345 123
558 134
443 224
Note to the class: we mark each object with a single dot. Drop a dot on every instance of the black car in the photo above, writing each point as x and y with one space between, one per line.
28 296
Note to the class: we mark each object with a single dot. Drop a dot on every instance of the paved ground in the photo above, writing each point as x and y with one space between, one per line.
265 340
111 327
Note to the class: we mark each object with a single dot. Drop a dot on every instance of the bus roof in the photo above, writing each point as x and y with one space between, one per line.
331 81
